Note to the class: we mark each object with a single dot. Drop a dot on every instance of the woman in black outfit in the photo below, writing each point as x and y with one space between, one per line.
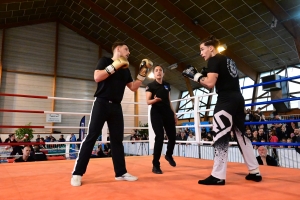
162 116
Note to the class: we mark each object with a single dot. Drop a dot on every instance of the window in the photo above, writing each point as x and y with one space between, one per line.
247 93
187 105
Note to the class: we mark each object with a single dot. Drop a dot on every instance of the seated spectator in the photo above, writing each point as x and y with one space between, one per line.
42 146
61 138
133 135
39 155
203 132
72 139
255 136
52 138
232 139
186 131
277 125
289 140
249 116
107 149
16 149
298 141
209 137
263 126
191 138
261 135
182 136
264 158
100 153
296 135
283 141
255 146
283 133
26 155
178 134
38 138
273 137
249 134
259 112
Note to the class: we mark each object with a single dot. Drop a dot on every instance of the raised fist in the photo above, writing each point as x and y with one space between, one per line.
144 67
120 63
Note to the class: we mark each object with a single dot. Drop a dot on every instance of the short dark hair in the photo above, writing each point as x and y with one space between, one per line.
160 67
211 41
117 43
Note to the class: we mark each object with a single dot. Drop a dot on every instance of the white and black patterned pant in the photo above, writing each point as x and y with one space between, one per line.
229 116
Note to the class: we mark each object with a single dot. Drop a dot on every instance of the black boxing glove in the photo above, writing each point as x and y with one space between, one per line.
204 72
192 73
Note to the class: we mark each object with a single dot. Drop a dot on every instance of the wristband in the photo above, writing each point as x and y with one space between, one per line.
110 69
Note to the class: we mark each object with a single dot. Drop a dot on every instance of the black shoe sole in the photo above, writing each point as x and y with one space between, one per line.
157 172
201 182
171 162
253 178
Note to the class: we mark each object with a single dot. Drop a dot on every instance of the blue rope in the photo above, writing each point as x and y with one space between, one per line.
276 144
270 82
271 122
273 101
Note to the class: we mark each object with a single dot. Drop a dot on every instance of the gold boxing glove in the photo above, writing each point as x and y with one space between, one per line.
120 63
144 67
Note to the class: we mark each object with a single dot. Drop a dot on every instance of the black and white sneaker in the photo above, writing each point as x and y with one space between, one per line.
254 177
211 180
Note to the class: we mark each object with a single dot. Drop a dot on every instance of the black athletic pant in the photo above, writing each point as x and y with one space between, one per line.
102 111
161 118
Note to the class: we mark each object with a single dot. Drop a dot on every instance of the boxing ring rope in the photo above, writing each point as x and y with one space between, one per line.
54 112
57 98
273 101
270 82
195 111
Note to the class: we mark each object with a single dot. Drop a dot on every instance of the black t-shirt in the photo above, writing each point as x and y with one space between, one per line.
113 87
40 156
228 79
161 91
30 159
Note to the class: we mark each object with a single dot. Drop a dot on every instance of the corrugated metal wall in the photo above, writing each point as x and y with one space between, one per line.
77 56
31 49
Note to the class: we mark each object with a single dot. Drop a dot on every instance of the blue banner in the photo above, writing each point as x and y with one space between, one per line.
82 130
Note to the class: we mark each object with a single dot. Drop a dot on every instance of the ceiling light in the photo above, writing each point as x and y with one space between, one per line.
173 66
222 47
151 75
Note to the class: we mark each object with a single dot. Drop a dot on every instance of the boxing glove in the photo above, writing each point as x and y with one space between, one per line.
144 67
204 72
192 73
116 65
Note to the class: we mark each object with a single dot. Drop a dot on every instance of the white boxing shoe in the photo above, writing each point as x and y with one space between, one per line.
126 177
76 180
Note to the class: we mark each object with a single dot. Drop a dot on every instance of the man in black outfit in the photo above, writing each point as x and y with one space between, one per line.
26 155
264 158
112 76
229 114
